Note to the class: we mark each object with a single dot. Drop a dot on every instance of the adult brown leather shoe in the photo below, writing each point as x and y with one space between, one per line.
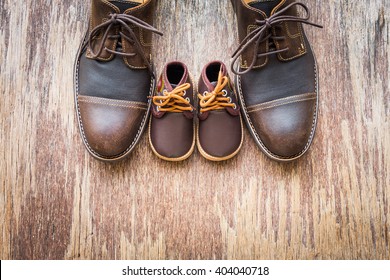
172 126
277 77
220 129
114 76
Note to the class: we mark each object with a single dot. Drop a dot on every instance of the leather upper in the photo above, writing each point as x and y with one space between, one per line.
220 131
101 9
279 94
109 125
246 18
111 89
172 134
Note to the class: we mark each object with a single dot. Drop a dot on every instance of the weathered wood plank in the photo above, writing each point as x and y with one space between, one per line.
57 202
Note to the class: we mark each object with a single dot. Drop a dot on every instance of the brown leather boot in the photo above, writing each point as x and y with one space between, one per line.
114 76
172 126
277 77
220 130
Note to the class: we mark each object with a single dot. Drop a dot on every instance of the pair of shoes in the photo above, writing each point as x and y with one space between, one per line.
276 81
181 116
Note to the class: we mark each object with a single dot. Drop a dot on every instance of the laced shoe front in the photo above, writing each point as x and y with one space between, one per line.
276 76
172 126
220 130
114 75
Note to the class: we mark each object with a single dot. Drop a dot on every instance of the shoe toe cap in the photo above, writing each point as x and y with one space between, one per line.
220 134
110 127
286 127
172 136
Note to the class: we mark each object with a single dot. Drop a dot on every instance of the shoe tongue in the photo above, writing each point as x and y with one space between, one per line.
213 84
174 85
125 5
264 5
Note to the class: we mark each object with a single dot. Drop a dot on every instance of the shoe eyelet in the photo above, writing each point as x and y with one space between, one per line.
205 93
224 93
165 92
235 106
188 99
158 108
184 93
230 99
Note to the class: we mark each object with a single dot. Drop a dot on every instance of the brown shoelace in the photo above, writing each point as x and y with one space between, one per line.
174 101
124 21
257 36
217 99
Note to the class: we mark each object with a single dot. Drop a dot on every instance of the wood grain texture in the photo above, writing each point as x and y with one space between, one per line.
57 202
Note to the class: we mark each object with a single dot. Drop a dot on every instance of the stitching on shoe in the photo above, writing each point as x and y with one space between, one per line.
278 105
302 43
257 135
285 99
256 66
111 104
115 40
136 138
195 126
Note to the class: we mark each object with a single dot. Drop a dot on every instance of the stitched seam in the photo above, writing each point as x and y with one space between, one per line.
302 42
125 59
136 138
256 134
289 34
132 66
301 96
125 2
141 35
266 48
277 7
278 105
111 104
109 101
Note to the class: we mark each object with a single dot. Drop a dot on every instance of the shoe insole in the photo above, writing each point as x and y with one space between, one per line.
124 5
264 5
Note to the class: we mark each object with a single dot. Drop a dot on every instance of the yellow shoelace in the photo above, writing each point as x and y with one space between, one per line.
217 99
174 101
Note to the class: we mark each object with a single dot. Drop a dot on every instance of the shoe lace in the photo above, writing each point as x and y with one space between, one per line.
257 36
124 21
174 100
217 99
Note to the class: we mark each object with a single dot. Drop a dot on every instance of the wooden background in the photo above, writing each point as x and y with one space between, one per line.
57 202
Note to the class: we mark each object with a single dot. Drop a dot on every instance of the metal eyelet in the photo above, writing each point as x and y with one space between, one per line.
185 92
205 93
235 106
164 91
158 108
230 99
224 92
188 99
